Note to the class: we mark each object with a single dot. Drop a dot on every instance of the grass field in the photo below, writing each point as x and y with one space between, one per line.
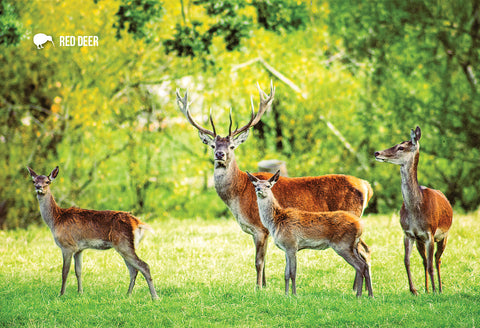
204 274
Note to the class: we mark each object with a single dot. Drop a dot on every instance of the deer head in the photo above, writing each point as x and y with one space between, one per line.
262 187
42 182
223 147
403 152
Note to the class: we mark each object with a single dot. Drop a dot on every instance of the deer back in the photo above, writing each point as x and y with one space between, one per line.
75 225
332 226
313 194
331 192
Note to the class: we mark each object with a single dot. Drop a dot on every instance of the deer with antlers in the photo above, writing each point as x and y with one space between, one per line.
323 193
426 214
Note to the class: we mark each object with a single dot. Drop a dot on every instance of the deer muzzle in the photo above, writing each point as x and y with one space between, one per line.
220 156
379 157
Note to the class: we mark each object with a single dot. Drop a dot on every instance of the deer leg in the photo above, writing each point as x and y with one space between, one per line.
363 251
133 276
408 243
430 249
363 255
67 260
293 271
287 273
368 280
290 270
423 254
261 243
78 270
355 281
359 266
440 248
130 257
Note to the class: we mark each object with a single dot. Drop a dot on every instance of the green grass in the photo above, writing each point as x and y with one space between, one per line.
204 274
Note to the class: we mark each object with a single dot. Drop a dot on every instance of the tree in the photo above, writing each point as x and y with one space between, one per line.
11 29
421 61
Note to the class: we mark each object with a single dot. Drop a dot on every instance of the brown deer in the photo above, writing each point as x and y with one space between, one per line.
426 214
293 230
323 193
75 229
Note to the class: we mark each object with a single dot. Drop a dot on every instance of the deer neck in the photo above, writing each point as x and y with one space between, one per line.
230 181
267 208
48 208
412 195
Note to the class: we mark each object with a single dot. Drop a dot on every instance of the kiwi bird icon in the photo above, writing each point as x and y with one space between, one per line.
40 39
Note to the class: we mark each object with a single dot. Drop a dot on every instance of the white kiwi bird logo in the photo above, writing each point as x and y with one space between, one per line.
40 39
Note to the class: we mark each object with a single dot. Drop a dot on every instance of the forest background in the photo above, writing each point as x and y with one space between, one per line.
350 77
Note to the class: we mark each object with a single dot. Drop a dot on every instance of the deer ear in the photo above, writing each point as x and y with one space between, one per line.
32 173
418 133
252 178
242 137
54 174
206 139
275 178
415 135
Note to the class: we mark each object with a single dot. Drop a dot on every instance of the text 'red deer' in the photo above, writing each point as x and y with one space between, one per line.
426 214
323 193
75 229
293 230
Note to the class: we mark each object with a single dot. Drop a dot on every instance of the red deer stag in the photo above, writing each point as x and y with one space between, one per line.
324 193
426 214
75 229
293 230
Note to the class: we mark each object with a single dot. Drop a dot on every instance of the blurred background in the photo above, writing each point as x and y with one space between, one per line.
351 77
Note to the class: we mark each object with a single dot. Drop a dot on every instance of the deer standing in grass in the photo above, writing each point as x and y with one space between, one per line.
293 230
426 214
323 193
75 229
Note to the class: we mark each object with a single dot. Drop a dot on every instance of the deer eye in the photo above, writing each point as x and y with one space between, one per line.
232 147
401 148
213 146
48 182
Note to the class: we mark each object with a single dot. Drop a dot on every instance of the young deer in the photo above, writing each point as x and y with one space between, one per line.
75 229
426 214
323 193
293 230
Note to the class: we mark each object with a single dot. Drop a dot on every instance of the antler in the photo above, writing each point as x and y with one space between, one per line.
183 105
265 103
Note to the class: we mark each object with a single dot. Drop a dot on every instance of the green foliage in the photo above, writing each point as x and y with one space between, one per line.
359 77
135 15
203 271
11 29
230 23
420 60
187 41
281 15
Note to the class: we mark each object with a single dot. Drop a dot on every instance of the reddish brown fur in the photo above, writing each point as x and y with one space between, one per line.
75 229
335 226
435 212
324 193
76 224
314 194
330 192
318 194
426 214
294 229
